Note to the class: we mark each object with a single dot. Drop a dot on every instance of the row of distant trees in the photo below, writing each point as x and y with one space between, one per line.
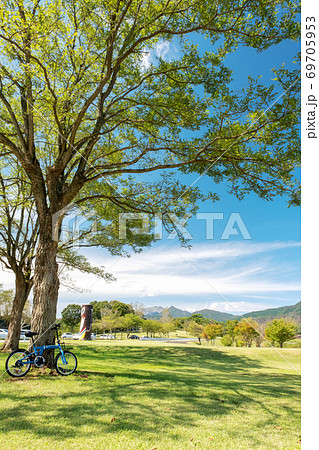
118 317
246 332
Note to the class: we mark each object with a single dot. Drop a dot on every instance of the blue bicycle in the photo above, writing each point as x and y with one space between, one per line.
19 361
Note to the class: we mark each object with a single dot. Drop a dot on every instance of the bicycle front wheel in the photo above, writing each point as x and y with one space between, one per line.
69 366
18 363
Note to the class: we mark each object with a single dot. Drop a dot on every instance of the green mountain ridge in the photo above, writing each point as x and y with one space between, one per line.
175 312
292 312
216 315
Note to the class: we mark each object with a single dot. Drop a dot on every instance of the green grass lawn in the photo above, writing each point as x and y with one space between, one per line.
147 395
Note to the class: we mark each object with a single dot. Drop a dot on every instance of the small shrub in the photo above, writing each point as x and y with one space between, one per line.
226 340
240 343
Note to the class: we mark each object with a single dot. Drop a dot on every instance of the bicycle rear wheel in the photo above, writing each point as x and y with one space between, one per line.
69 367
18 363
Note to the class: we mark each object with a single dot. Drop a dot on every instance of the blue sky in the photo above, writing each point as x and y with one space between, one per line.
236 275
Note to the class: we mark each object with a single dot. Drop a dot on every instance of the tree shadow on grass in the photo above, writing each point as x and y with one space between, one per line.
147 389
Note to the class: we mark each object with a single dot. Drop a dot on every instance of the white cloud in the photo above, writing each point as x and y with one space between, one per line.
228 268
170 256
146 59
203 275
230 307
237 307
162 49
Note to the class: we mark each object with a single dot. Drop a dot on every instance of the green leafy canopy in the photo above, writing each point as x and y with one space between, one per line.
88 101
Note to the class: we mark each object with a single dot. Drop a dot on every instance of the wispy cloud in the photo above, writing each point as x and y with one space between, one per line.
163 49
239 307
232 268
250 275
161 257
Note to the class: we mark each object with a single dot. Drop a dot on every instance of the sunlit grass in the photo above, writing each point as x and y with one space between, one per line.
142 395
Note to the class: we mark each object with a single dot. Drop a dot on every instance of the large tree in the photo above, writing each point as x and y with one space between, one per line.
87 105
195 329
19 233
246 329
212 331
280 330
230 327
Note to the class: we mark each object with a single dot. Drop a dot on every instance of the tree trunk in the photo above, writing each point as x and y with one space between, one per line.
22 290
46 287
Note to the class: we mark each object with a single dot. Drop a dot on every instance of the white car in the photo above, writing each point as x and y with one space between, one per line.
3 333
107 336
93 336
67 336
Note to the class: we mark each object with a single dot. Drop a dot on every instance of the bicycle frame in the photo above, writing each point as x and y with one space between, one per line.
38 351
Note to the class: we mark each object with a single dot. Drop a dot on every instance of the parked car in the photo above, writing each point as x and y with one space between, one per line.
76 336
3 333
133 336
146 337
107 336
67 336
93 336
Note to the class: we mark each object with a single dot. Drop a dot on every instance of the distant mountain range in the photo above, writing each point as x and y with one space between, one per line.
155 313
287 312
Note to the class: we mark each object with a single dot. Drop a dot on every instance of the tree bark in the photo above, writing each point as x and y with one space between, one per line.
46 287
22 290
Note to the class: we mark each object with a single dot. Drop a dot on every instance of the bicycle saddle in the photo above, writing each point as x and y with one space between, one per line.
30 334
